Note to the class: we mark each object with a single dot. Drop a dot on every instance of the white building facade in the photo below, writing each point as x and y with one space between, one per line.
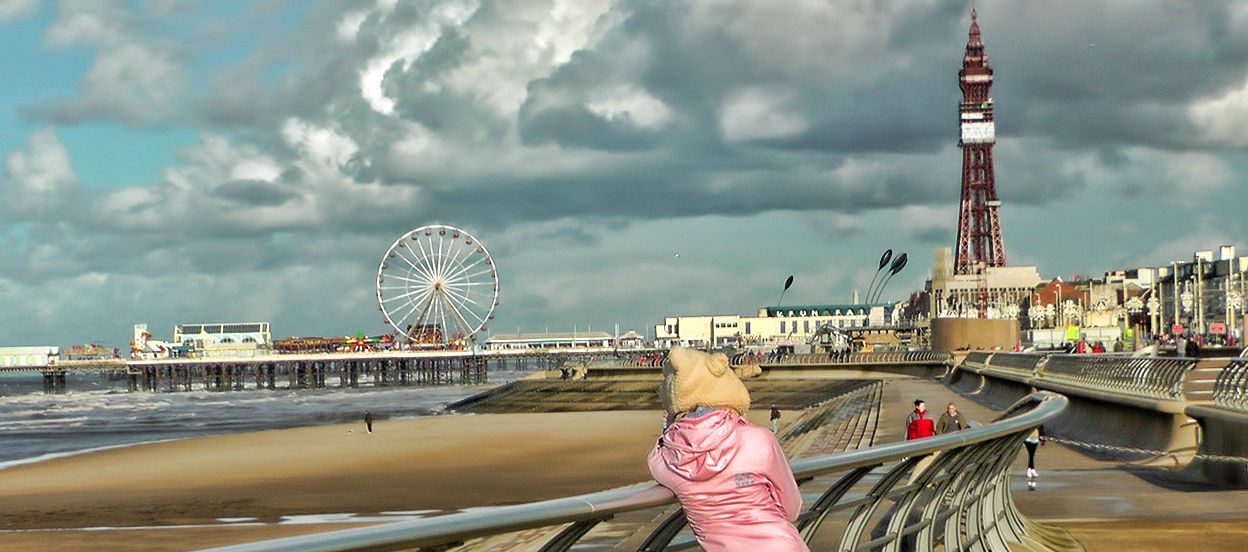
771 326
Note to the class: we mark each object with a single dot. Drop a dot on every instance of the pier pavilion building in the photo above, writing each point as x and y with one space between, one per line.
224 333
217 339
549 340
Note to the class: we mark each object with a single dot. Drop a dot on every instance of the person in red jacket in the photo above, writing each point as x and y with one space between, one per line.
917 423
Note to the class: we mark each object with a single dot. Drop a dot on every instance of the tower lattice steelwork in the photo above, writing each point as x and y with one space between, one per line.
979 226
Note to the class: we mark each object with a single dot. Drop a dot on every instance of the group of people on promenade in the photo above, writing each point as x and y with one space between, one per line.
919 425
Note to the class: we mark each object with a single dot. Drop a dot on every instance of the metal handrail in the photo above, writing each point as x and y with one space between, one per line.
873 357
1156 378
1231 388
963 497
1019 363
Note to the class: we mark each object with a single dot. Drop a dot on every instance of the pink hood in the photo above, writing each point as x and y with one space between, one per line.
699 448
733 482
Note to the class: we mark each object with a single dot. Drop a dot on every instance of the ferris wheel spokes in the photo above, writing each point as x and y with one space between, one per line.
443 288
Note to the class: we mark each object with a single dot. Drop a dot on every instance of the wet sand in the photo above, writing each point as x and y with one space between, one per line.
435 463
161 491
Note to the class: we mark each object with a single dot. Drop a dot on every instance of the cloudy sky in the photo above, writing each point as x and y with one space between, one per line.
171 161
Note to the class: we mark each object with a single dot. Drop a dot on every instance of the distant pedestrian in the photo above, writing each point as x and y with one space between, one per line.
1191 349
917 423
1035 439
368 421
950 421
775 418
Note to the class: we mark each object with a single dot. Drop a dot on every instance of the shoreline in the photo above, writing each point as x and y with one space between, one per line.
423 464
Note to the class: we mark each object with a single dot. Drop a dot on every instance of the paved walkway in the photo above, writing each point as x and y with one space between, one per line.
1107 506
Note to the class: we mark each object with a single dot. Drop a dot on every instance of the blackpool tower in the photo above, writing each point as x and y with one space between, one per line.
979 226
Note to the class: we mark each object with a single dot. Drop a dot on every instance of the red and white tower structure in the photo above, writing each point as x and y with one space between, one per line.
979 226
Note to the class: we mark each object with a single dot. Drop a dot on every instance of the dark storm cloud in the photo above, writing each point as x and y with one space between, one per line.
934 236
664 192
577 127
254 192
1086 73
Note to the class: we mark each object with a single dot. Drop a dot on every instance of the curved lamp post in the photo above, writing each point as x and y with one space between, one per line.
898 264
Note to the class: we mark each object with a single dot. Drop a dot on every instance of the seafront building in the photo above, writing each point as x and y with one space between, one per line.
997 292
550 340
776 326
218 339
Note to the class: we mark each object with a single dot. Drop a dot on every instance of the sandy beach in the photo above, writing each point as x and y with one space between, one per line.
433 463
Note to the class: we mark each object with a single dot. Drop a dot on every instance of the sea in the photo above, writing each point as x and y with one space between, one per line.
96 413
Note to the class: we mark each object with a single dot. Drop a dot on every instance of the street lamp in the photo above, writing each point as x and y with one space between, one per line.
1154 310
898 264
1234 302
887 256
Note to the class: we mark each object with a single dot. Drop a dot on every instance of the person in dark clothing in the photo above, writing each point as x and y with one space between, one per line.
1191 349
1035 439
775 418
368 421
950 421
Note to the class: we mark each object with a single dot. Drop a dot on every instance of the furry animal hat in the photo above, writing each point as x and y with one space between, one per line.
692 378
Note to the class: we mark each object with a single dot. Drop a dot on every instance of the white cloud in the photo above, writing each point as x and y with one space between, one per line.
523 42
831 39
1195 175
1222 120
321 148
759 113
131 79
920 219
41 178
13 9
631 105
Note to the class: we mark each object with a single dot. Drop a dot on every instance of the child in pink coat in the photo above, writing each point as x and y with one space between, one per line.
730 476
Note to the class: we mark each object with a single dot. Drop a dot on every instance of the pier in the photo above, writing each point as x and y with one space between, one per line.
321 370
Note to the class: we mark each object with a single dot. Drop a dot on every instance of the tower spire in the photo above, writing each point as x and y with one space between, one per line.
979 241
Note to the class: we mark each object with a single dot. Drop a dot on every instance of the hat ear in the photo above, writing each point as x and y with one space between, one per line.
719 364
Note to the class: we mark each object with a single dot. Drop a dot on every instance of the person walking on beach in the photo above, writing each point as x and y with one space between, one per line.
368 421
950 421
917 423
775 418
730 476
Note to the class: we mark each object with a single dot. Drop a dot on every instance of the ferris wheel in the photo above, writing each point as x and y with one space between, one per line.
437 286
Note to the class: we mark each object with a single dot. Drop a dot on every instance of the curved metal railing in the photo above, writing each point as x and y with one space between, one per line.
946 492
1152 377
874 357
1017 363
976 360
1231 388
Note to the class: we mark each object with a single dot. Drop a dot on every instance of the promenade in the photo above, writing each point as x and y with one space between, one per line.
1106 506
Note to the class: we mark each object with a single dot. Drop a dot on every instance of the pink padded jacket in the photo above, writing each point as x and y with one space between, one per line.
733 482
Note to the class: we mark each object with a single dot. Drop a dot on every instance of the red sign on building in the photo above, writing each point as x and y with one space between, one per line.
1176 329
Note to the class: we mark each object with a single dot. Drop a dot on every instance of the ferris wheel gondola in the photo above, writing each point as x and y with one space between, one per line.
437 285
